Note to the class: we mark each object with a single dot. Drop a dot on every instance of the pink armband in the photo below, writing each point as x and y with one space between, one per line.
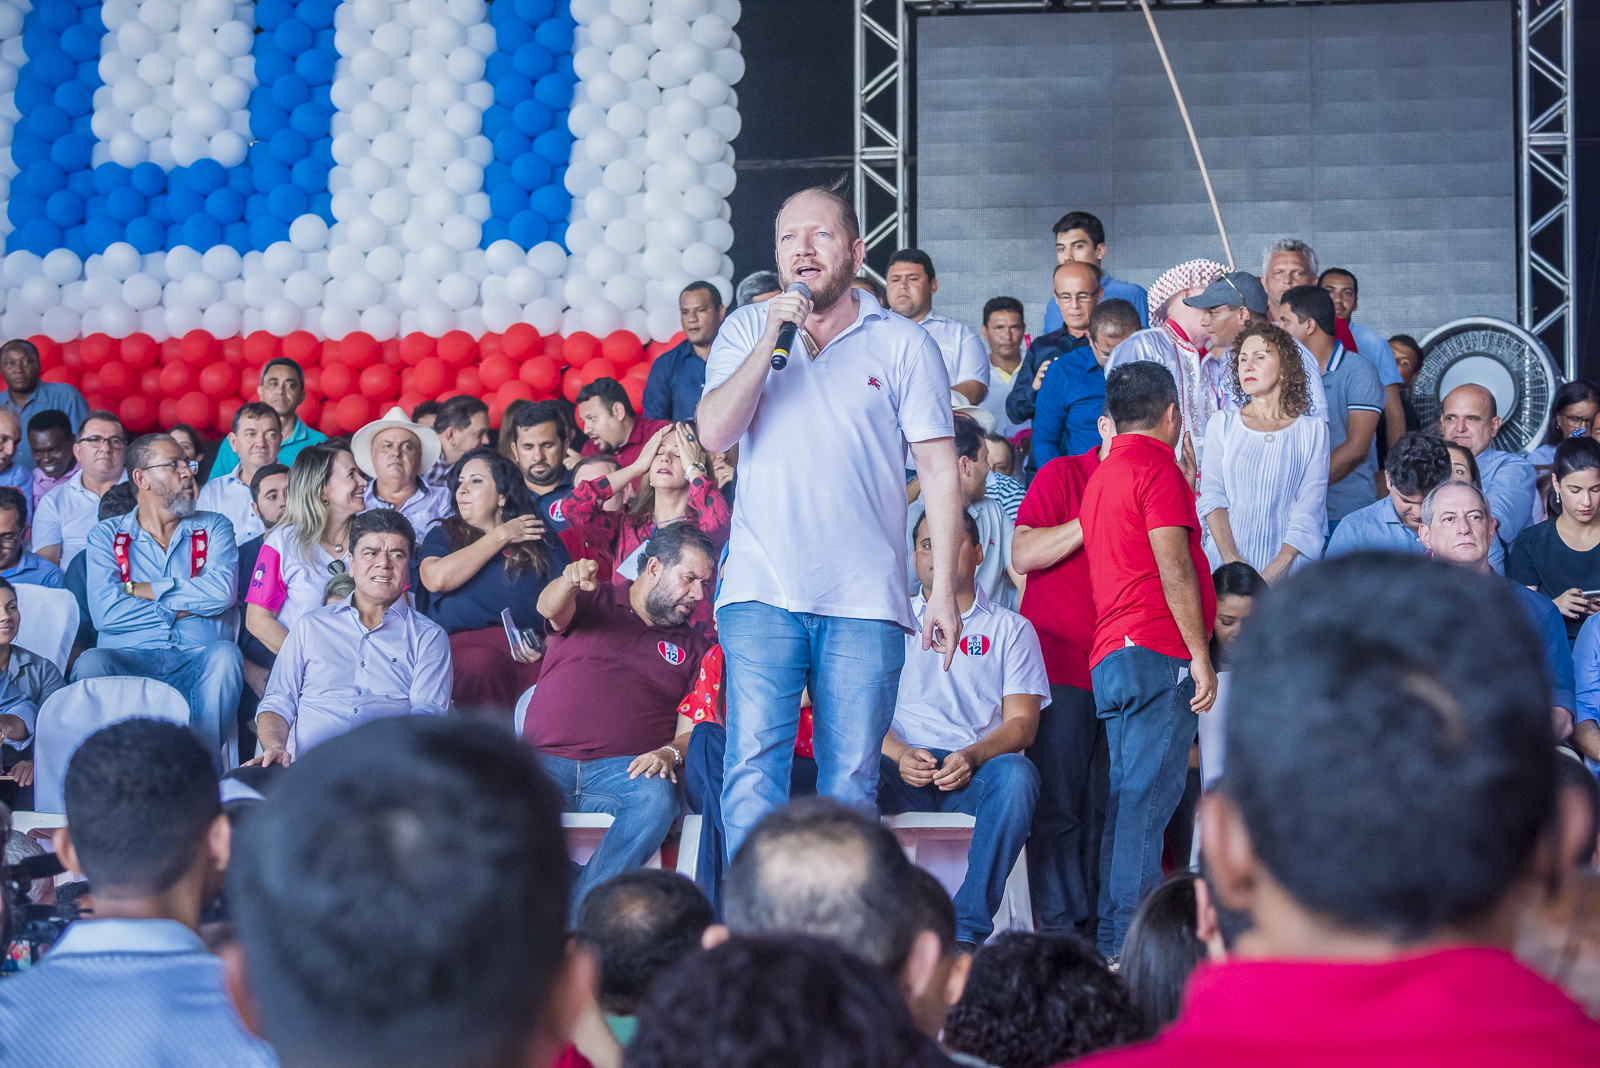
267 587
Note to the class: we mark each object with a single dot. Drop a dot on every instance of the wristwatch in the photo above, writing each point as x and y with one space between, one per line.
127 588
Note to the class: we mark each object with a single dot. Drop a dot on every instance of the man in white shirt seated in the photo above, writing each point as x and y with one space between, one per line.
957 740
255 440
63 517
394 452
163 584
368 656
911 288
995 528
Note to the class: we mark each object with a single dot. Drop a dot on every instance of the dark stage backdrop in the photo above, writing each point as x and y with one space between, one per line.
1382 134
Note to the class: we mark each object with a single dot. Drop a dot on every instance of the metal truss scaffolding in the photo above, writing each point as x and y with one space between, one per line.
881 173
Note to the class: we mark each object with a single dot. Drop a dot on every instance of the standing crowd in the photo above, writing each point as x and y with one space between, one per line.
1067 585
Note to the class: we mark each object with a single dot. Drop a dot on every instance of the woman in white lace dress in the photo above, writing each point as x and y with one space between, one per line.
1264 472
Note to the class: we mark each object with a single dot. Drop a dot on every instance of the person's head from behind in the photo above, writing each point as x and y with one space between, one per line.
911 283
425 413
50 440
933 912
1572 411
776 1001
756 287
1306 312
145 819
1238 585
1076 287
13 526
819 243
700 312
402 902
1110 324
1576 780
606 413
1415 465
868 284
675 573
1470 417
382 543
269 493
1457 525
118 500
1034 1000
1002 457
338 588
1080 238
462 424
969 552
1162 950
1575 480
1003 328
637 925
1142 398
1408 798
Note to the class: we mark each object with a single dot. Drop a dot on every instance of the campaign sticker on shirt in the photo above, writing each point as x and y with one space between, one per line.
670 653
556 513
975 644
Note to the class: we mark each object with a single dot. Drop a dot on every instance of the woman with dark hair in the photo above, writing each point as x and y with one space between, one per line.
490 553
1560 557
1264 487
1463 465
1238 587
1575 405
1162 950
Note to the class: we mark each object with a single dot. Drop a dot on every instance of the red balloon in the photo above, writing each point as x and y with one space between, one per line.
197 409
97 402
178 379
599 367
219 380
513 390
622 347
338 380
150 383
309 409
118 380
72 354
491 344
379 382
140 351
355 411
521 341
555 347
542 374
171 350
635 392
225 409
302 348
330 351
49 351
408 382
360 350
496 371
570 384
199 349
138 413
61 373
656 348
417 347
313 379
260 347
97 349
330 420
638 372
233 350
250 384
580 348
409 399
167 415
391 353
433 376
457 348
468 381
89 383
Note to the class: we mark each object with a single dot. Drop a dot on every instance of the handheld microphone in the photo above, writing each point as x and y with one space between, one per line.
780 351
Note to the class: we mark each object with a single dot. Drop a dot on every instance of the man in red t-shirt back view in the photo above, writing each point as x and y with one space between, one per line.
1154 605
1389 807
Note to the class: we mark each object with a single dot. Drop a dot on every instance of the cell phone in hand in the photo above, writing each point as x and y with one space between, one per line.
525 636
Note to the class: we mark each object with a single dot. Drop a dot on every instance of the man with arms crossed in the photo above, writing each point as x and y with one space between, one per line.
800 603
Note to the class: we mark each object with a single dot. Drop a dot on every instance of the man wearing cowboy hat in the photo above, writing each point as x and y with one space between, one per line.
393 452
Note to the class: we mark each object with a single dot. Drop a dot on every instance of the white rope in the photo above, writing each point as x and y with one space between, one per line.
1193 140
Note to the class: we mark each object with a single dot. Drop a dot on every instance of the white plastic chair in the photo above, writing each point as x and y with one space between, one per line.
583 831
74 712
938 842
50 621
520 715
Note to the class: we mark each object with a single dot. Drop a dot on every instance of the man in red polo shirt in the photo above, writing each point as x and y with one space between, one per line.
1069 748
1153 611
609 421
1389 807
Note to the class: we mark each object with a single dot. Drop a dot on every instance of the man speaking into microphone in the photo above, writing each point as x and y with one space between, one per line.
813 589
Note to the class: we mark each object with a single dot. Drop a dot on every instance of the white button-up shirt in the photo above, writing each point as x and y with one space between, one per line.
998 656
65 516
425 507
819 523
965 358
229 495
333 674
210 598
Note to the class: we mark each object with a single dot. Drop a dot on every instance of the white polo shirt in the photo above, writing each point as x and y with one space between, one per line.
65 516
819 523
229 495
999 655
965 358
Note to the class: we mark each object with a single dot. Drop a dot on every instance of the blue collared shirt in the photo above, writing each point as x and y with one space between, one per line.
1586 670
303 435
1376 351
1067 410
1552 633
34 570
209 598
426 506
1510 484
1020 401
1109 287
56 396
1378 528
126 992
677 379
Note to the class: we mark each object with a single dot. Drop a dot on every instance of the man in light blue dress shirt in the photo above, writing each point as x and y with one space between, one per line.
135 985
162 590
17 563
26 396
1470 418
1082 237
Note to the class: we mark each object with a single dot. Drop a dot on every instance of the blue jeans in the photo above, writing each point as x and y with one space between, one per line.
1143 697
1064 850
1001 795
852 668
644 810
209 678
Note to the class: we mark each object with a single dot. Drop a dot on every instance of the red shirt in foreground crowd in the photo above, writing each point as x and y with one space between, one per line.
1138 488
1057 599
1456 1008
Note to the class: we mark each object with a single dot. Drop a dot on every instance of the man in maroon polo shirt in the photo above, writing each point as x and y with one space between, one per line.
602 719
610 423
1153 613
1069 748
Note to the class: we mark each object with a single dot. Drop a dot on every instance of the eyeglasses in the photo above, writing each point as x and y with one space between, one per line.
1222 276
97 441
192 465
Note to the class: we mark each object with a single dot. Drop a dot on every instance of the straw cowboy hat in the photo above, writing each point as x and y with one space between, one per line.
361 443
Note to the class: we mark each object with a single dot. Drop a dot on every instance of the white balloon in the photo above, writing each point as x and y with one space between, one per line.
603 263
586 116
680 230
624 177
139 292
281 259
339 320
121 261
304 288
435 317
727 65
464 119
390 206
222 319
525 285
627 118
629 61
606 90
632 12
625 291
367 232
100 291
223 262
228 148
234 39
688 10
662 260
117 319
39 294
136 39
385 264
725 120
444 91
308 233
231 92
720 177
371 65
701 260
704 145
128 149
543 314
685 115
458 290
500 315
589 61
603 145
700 202
440 204
281 316
682 172
582 177
154 69
180 320
465 64
213 13
392 39
601 317
60 324
62 265
463 176
349 147
663 73
368 175
667 30
603 206
690 58
393 147
381 322
210 64
625 235
708 89
582 236
462 233
608 32
662 201
198 290
369 119
712 31
717 233
442 146
504 256
664 322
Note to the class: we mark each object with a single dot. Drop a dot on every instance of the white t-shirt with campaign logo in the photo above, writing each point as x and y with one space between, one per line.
999 655
819 523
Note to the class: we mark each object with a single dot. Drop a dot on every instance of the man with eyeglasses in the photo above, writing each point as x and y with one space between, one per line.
1076 286
163 589
65 515
26 396
17 564
255 439
393 452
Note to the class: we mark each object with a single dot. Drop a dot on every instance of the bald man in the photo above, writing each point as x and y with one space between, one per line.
12 472
1470 419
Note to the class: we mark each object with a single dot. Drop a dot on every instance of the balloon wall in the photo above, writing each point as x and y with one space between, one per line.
415 199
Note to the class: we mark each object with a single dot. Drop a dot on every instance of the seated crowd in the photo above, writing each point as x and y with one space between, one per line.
407 652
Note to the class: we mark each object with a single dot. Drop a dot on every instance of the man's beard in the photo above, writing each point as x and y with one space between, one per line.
825 292
540 474
666 610
180 504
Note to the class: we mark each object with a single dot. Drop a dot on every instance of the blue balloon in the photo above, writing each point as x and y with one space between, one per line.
293 37
509 144
41 236
288 202
511 36
32 93
496 117
183 202
558 233
24 207
268 176
225 205
72 152
237 236
125 204
322 207
529 228
532 117
44 178
554 90
265 121
81 43
322 151
534 60
553 202
318 14
564 66
49 122
512 89
311 175
148 178
554 34
497 66
174 236
109 176
64 208
530 170
241 181
93 207
554 146
201 231
323 39
146 235
507 200
206 176
74 98
58 14
310 120
323 94
255 207
89 74
534 12
288 146
81 183
73 240
38 38
290 91
315 66
496 173
53 67
271 64
271 13
265 230
156 208
177 178
495 229
26 149
83 126
101 231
